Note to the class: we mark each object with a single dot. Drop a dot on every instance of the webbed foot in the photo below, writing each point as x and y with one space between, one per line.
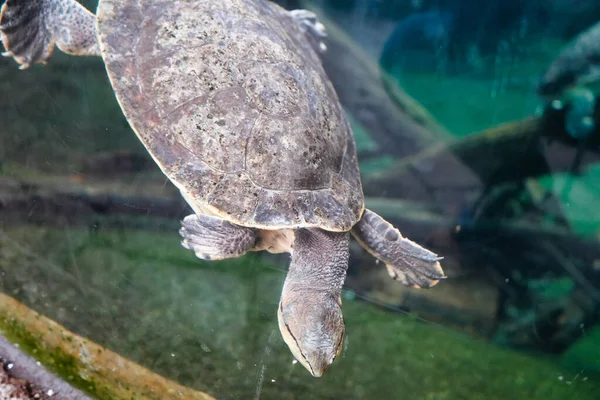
405 260
213 238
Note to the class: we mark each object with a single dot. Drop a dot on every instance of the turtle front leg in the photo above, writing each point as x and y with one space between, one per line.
31 28
213 238
309 23
405 260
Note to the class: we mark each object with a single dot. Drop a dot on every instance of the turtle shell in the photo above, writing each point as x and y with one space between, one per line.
232 102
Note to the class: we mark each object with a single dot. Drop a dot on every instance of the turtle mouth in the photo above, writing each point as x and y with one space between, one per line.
304 360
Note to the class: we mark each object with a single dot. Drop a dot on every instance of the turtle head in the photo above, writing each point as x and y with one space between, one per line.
312 326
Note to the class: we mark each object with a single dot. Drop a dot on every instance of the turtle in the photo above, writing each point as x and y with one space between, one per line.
231 100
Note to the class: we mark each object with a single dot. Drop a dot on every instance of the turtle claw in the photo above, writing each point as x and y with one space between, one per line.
406 261
212 238
410 278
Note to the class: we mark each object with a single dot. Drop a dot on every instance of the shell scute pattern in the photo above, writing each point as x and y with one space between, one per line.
237 194
233 104
278 208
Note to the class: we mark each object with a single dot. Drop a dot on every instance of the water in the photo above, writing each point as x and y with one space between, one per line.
456 149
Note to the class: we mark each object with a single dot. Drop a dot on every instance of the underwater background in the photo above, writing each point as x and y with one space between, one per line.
458 147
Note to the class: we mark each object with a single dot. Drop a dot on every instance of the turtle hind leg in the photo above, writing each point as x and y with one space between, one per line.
30 29
315 30
405 260
213 238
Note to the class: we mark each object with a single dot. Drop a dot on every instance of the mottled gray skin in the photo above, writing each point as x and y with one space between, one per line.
310 310
230 99
309 314
579 61
26 25
405 260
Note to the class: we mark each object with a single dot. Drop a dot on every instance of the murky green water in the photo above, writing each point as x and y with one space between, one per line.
88 234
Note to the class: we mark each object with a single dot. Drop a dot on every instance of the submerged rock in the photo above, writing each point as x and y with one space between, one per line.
578 62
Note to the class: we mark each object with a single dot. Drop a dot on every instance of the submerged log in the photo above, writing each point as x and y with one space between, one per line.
403 128
96 370
487 263
482 155
55 200
397 123
430 167
395 119
51 198
476 255
511 152
468 304
30 379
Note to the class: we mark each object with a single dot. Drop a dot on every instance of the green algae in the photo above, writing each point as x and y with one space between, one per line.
83 363
136 287
584 356
55 359
212 326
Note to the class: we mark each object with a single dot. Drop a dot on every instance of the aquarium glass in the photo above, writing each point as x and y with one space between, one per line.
475 125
